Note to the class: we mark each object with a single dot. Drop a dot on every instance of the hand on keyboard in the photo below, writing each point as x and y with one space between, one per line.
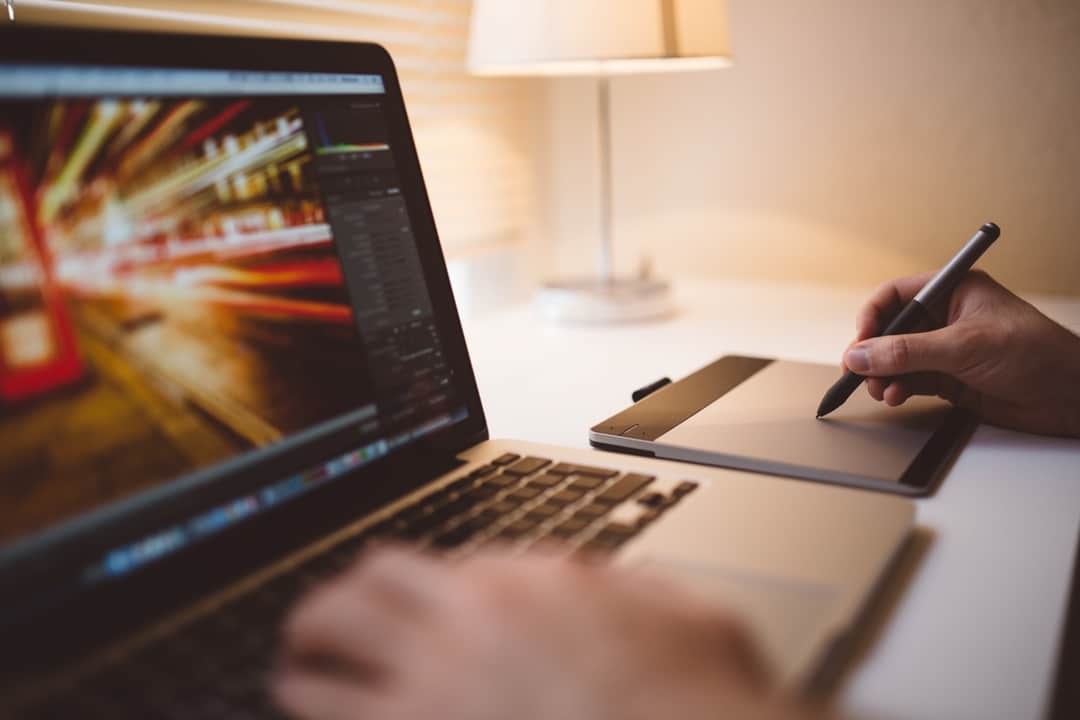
405 635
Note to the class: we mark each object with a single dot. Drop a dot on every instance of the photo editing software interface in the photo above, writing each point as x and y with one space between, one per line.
196 264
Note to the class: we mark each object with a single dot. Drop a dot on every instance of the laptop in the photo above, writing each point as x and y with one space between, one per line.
230 357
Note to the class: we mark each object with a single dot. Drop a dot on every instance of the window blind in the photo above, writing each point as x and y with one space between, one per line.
471 133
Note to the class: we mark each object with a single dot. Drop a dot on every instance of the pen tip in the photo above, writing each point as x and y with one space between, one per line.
818 416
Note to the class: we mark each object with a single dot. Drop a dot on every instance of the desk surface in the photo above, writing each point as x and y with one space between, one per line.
969 626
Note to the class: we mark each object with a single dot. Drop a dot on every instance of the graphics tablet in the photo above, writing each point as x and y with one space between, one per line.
758 414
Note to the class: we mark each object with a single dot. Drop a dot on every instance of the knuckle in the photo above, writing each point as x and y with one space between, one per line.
969 340
374 568
900 353
502 590
299 622
866 318
976 337
374 562
973 345
727 627
885 288
978 280
725 632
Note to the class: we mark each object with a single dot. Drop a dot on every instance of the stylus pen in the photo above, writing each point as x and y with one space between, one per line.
916 311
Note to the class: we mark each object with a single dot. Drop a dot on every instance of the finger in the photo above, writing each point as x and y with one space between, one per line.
408 578
746 653
350 627
936 351
933 385
885 302
311 696
361 616
876 387
897 393
729 635
504 579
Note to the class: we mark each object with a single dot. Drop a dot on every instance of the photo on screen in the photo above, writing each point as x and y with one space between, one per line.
170 293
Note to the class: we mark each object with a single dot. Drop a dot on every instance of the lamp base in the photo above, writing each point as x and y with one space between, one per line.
600 301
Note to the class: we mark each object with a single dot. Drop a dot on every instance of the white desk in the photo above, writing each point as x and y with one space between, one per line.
969 626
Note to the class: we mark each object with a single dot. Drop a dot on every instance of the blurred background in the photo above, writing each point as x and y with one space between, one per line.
849 141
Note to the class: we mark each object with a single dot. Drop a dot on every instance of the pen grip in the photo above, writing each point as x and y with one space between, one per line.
908 319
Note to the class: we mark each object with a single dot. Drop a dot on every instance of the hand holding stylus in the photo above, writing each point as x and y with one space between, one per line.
984 349
916 311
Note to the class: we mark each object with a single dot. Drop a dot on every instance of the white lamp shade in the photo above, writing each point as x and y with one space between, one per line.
596 37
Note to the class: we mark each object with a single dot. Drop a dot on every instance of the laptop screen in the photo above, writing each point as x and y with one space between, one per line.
196 265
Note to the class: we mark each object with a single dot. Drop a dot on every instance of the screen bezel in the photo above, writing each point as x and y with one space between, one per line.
49 559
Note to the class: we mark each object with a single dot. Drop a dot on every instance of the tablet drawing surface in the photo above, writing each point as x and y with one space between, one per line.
767 424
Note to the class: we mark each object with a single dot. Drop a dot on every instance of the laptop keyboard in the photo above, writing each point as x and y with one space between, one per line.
525 500
216 665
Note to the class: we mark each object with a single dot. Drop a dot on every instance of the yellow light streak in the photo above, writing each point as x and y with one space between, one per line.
66 185
158 139
141 113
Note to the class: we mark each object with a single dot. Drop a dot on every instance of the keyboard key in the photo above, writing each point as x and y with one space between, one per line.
484 492
611 537
483 471
619 530
547 480
412 513
506 459
419 528
406 530
624 487
501 481
437 498
517 529
647 517
456 536
527 466
571 527
483 519
566 497
652 499
588 470
684 488
595 546
449 510
461 484
544 511
584 482
525 493
593 510
504 507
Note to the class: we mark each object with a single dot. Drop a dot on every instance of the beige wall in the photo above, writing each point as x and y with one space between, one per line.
853 140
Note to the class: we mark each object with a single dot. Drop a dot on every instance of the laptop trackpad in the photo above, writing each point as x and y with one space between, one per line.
790 619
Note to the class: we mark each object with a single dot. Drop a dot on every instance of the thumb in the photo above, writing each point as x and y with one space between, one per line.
934 351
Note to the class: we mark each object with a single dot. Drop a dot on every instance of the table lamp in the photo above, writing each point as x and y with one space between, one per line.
600 39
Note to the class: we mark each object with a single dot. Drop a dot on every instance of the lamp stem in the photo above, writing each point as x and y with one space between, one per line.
607 241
